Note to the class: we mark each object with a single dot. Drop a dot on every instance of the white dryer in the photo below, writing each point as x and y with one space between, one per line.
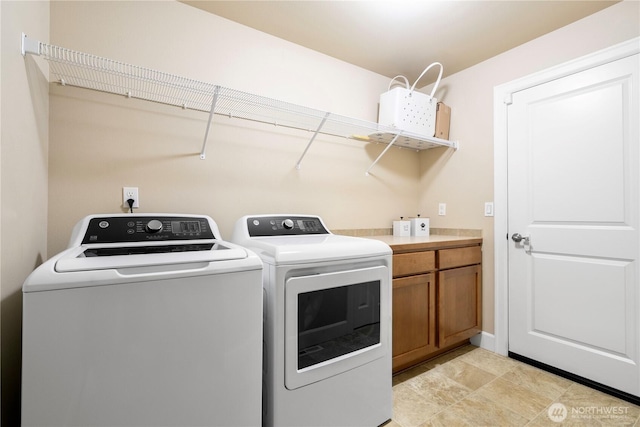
327 331
144 320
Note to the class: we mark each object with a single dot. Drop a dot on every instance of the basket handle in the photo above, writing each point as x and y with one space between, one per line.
406 82
433 91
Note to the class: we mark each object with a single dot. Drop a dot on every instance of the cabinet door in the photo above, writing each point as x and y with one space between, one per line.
414 331
459 304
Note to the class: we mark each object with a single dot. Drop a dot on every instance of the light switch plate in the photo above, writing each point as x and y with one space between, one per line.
488 209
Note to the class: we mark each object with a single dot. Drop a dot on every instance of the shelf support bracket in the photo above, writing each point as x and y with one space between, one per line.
216 91
29 45
304 153
383 152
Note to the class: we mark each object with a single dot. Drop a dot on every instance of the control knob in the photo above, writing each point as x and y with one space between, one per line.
287 224
154 226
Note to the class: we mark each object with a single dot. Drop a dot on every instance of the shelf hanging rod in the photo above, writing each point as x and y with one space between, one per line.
216 91
383 152
326 116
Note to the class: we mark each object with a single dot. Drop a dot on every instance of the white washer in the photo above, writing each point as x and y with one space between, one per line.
144 320
327 322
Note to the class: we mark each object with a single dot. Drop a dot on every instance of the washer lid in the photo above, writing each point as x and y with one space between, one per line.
327 247
117 256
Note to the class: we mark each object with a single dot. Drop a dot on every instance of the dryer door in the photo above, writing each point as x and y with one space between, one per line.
335 322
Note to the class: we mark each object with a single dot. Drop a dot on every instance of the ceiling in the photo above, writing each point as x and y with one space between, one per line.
404 36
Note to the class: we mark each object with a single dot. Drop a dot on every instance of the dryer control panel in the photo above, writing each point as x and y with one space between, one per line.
126 229
285 225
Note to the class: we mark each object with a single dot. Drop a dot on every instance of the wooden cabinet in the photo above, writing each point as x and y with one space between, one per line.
437 299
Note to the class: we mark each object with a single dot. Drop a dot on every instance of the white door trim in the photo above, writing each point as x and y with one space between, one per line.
501 99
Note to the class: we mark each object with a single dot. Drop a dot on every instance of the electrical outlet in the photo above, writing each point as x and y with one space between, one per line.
442 209
130 193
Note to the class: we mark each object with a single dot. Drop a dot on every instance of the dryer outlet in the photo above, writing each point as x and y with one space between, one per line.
130 193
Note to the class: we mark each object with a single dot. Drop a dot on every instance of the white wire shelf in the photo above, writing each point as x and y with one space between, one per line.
84 70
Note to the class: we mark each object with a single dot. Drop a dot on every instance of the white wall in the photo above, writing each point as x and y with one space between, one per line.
100 143
23 173
464 179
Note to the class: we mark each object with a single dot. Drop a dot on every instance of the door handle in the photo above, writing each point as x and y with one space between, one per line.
517 237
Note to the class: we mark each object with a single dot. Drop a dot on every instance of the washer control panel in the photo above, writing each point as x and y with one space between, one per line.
280 225
146 228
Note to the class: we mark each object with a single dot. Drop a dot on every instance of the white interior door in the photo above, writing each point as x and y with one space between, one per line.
573 197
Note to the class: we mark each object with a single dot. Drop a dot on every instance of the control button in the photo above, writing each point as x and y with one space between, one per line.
103 224
130 231
131 224
288 224
154 226
256 222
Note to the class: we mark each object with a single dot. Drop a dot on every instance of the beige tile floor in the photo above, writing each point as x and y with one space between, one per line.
471 386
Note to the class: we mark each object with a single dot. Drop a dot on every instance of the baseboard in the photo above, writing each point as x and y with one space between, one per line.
484 340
